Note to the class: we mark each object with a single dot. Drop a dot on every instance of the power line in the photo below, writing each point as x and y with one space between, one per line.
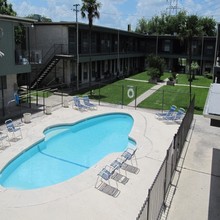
173 6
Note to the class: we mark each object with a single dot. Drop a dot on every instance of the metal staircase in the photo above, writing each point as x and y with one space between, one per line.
45 71
52 57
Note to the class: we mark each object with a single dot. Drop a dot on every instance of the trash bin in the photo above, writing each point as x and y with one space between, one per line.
65 104
48 110
27 117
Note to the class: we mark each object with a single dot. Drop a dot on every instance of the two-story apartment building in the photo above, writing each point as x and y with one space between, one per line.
112 52
39 54
175 52
14 44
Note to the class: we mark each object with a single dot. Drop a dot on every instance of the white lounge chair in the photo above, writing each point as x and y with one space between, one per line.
129 154
105 174
178 116
88 103
78 105
168 113
14 131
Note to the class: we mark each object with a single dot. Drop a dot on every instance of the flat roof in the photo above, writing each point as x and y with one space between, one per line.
17 19
212 105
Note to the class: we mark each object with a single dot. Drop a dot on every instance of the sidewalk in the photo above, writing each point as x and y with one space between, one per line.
197 182
146 94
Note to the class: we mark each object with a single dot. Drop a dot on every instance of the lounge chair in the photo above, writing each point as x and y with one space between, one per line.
105 174
129 154
178 116
171 111
117 164
77 104
14 131
88 103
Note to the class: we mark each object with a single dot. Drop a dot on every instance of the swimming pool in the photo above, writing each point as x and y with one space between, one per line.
68 150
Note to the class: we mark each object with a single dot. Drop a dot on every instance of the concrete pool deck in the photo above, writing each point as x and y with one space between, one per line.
196 184
77 198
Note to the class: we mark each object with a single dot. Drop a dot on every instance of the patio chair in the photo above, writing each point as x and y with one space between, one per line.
168 113
88 103
78 105
129 154
178 116
105 174
14 131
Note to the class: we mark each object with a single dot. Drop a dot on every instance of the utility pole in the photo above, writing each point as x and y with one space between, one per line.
77 46
173 6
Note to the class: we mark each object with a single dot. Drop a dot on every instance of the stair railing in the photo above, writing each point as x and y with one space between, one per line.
54 50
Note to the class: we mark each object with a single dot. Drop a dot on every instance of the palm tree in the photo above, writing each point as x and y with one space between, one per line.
90 9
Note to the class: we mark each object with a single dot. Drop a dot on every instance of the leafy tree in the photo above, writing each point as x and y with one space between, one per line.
209 26
194 66
6 9
156 66
90 9
170 24
154 73
142 26
189 29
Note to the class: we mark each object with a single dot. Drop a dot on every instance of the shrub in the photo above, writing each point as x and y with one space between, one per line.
154 73
208 75
156 62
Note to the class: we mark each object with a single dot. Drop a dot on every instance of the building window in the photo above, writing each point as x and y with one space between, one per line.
3 82
209 50
166 46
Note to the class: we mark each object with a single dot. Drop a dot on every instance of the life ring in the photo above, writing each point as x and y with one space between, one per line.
130 93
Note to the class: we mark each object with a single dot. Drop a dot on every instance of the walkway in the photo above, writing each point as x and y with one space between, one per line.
196 185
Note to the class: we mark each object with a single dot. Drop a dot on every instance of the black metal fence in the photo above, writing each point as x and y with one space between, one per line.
155 200
124 93
33 101
127 93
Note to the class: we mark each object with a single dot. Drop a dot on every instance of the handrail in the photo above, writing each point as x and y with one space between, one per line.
55 49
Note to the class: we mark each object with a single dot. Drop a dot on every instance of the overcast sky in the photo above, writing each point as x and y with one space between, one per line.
116 13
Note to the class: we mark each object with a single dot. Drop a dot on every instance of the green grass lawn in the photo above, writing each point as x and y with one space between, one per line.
44 94
198 81
175 95
144 76
116 92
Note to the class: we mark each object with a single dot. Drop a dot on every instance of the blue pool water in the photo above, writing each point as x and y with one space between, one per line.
68 150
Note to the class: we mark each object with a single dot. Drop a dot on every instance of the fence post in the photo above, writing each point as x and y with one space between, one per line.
165 178
163 100
99 93
122 100
62 95
148 204
44 101
135 97
37 96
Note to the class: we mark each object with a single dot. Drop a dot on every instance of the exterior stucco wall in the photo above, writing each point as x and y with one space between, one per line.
46 36
7 46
